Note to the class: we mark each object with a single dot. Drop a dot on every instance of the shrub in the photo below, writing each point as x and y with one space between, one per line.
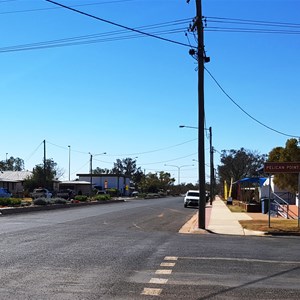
25 203
40 201
102 197
113 192
81 198
10 201
59 201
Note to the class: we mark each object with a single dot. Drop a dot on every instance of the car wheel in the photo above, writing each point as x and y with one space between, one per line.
185 205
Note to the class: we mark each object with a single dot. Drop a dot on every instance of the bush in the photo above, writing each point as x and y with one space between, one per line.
40 201
10 201
81 198
59 201
113 192
102 197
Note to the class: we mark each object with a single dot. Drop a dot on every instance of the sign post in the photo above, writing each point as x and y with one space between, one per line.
282 167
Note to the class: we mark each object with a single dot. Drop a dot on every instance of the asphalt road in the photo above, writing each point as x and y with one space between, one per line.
133 250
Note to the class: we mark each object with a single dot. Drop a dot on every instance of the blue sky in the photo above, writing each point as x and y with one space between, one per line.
127 97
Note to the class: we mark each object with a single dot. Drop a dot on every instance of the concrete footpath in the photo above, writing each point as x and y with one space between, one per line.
220 220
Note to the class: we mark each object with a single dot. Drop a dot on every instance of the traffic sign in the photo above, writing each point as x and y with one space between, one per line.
282 167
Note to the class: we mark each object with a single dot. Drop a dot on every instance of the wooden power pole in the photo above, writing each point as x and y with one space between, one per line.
201 123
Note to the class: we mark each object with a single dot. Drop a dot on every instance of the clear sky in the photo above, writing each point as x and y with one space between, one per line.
116 91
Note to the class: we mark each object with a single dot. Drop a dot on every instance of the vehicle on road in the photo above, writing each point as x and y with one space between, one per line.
41 193
191 198
4 193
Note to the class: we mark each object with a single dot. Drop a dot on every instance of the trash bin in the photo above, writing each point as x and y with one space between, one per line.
264 205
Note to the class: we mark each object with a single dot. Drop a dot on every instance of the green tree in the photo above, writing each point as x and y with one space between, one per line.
101 171
237 164
128 167
12 164
43 176
155 182
289 153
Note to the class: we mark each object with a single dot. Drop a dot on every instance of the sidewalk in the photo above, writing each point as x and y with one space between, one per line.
220 220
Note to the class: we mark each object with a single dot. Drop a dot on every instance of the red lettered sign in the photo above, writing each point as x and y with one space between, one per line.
282 167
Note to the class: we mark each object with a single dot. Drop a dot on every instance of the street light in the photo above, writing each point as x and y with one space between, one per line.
69 161
184 126
91 169
179 167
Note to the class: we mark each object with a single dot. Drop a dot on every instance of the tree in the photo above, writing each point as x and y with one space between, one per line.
127 167
155 182
237 164
12 164
101 171
291 153
43 175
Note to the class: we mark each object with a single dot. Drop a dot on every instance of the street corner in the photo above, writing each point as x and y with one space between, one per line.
191 226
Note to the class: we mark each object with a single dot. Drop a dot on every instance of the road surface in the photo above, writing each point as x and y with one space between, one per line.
133 250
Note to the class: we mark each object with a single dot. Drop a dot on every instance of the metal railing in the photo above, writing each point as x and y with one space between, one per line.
281 207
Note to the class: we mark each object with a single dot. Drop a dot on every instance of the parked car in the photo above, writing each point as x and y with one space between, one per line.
191 198
41 193
4 193
66 194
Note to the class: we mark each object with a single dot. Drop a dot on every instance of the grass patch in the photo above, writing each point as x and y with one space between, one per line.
277 225
235 207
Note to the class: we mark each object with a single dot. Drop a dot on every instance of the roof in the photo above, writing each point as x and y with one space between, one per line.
259 180
103 175
75 182
14 176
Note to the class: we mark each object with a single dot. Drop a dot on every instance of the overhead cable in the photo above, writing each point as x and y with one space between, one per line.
244 111
119 25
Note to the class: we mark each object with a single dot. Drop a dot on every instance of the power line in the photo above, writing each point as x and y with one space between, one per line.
250 30
156 150
71 42
244 111
51 8
34 151
109 36
128 154
255 26
251 22
119 25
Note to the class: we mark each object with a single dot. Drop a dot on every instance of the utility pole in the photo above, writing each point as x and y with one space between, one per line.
91 174
212 175
45 177
69 162
201 123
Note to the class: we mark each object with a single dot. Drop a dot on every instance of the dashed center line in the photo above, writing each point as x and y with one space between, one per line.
158 280
163 272
167 264
169 261
171 258
151 292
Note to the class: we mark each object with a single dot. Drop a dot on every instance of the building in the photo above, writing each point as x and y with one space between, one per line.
107 181
14 181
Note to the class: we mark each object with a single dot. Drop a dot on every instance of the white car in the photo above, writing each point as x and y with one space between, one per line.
191 198
41 193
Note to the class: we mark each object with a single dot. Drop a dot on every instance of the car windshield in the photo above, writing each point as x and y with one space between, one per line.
193 194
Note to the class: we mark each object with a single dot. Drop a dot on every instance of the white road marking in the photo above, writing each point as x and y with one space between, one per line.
243 260
171 258
167 264
158 280
136 226
163 272
151 292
